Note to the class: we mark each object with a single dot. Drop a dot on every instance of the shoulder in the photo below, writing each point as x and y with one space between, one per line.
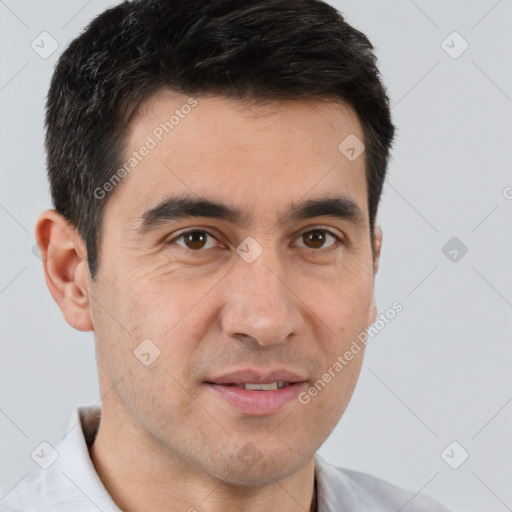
34 492
356 491
68 482
55 489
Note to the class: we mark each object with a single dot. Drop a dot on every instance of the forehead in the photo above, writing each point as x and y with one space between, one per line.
257 156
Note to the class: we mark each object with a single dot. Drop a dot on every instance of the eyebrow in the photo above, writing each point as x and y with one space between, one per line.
183 206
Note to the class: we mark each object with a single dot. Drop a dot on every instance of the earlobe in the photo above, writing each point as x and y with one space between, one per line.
65 267
372 312
377 246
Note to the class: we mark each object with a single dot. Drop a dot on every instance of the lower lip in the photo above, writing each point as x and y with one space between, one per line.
258 403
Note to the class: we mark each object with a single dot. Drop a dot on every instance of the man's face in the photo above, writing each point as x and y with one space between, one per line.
291 297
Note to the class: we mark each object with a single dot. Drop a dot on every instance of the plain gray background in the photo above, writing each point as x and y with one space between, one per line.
440 371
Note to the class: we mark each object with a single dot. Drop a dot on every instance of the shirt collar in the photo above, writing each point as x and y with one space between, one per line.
75 462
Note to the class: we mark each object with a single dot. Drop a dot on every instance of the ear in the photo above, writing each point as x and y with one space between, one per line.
65 267
377 245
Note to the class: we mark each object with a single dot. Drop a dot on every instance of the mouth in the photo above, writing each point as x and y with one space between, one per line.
257 394
255 386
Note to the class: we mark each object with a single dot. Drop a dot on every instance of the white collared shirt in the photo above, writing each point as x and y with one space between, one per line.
70 482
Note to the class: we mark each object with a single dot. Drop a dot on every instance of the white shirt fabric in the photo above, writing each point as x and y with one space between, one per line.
71 484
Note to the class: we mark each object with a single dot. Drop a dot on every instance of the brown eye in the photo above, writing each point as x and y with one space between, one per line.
317 238
195 240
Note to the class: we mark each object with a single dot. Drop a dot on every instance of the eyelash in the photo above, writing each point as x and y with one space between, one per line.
338 239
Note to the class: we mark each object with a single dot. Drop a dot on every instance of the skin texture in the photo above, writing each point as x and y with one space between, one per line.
166 442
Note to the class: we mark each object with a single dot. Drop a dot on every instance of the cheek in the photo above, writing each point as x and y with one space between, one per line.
166 305
147 320
174 314
343 302
150 299
341 311
328 397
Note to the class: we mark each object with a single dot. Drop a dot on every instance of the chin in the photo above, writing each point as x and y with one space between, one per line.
252 469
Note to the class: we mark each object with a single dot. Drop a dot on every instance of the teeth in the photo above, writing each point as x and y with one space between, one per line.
263 387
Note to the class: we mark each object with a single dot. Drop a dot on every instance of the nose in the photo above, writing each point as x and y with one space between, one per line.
260 302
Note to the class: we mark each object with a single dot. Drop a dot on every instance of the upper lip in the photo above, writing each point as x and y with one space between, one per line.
257 377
